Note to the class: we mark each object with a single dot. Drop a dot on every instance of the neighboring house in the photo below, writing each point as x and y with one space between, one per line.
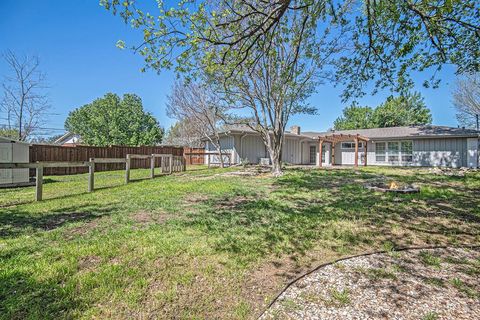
426 146
68 140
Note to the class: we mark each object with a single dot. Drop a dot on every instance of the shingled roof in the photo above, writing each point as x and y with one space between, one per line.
403 132
410 132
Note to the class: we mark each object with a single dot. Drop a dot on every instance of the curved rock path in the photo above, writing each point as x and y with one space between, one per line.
414 284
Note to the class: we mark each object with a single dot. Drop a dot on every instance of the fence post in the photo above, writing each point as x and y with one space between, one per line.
184 164
152 166
39 183
91 175
127 169
170 163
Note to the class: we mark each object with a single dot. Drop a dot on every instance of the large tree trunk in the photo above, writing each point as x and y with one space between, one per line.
276 164
275 146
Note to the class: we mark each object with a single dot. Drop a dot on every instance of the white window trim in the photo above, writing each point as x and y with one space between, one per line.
360 145
400 154
384 152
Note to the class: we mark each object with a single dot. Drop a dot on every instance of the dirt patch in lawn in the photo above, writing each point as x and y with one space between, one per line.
195 198
413 284
89 263
145 218
81 230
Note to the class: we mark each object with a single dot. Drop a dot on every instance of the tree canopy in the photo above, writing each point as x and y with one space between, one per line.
111 120
398 111
384 40
9 133
355 117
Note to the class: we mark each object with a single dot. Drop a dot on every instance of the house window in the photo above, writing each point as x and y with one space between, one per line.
380 152
351 145
393 151
407 151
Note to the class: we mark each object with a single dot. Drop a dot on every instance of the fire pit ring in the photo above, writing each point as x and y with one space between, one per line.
392 187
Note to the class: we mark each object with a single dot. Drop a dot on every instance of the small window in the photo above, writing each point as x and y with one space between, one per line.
380 151
351 145
393 152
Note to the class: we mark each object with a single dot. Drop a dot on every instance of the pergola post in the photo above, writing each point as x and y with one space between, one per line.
333 153
356 151
320 148
366 154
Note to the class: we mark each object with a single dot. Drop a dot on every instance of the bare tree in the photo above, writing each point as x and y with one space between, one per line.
273 91
182 133
197 105
24 101
288 67
466 99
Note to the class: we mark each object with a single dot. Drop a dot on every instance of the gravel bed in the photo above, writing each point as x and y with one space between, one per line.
415 284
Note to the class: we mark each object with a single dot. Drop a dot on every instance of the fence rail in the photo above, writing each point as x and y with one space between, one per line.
174 164
42 153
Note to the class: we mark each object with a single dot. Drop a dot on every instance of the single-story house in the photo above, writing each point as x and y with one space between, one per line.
426 146
69 139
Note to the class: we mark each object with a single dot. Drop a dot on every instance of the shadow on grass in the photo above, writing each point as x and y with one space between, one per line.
15 222
23 296
308 207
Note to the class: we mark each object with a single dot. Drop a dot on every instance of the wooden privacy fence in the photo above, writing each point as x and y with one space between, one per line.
194 155
168 163
42 153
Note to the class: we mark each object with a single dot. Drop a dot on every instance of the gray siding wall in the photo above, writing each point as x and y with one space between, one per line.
252 148
292 152
440 152
227 143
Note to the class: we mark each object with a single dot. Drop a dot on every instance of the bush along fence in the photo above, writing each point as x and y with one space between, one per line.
169 163
42 153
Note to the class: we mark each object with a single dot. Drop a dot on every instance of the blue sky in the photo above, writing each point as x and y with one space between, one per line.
75 41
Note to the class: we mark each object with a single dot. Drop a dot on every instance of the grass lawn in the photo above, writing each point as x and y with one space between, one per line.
207 243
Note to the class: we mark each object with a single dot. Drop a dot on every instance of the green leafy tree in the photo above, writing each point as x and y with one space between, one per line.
355 117
398 111
9 133
114 121
242 42
387 39
406 110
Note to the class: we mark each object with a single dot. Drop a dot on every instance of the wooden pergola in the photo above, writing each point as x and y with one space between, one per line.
335 138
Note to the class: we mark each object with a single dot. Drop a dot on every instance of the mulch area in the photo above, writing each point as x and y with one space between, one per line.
414 284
